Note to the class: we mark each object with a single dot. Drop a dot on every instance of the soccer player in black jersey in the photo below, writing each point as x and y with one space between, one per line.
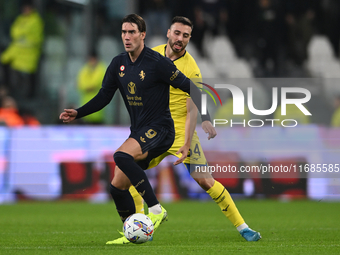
143 78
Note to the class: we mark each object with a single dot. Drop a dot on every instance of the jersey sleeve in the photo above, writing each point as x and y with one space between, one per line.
169 74
103 97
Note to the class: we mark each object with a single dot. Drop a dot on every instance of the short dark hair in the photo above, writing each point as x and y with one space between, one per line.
135 19
183 20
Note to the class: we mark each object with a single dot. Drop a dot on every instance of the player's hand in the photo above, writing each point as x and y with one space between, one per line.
68 115
184 150
209 129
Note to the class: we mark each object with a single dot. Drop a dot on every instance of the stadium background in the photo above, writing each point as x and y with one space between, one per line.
238 43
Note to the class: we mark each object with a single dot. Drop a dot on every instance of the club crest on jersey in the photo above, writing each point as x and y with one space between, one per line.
142 75
121 68
132 88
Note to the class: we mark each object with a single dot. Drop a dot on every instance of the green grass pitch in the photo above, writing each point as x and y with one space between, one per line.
298 227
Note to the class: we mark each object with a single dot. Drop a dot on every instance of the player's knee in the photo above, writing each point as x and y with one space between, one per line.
121 158
123 162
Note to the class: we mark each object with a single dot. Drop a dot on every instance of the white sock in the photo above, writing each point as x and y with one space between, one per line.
156 209
242 226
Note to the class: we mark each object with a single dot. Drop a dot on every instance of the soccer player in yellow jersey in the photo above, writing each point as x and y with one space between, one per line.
184 114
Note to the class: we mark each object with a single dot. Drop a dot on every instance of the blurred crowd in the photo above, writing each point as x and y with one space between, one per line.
271 34
270 31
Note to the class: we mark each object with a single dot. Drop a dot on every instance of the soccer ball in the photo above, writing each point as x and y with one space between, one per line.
138 228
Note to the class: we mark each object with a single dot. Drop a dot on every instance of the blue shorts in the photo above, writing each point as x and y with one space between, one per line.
155 140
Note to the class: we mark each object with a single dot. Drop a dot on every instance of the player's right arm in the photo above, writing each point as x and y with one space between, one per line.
105 94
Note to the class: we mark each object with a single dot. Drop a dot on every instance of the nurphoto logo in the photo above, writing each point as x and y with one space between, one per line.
239 105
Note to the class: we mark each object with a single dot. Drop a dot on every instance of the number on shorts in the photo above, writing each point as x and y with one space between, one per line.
197 149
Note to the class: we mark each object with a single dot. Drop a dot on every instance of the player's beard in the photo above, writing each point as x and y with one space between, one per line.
172 45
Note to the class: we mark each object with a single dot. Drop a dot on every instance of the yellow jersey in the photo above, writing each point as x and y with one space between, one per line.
178 108
187 65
